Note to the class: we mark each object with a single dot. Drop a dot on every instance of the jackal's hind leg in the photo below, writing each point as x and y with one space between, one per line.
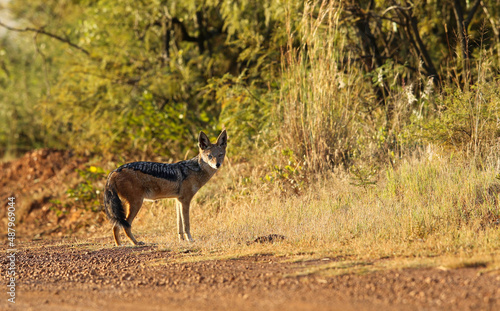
134 208
116 233
130 236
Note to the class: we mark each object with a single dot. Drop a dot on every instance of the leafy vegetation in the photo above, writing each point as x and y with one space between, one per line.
332 81
85 195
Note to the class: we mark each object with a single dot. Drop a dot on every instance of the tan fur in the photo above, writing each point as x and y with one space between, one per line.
134 186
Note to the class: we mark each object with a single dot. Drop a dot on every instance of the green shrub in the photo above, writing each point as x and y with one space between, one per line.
467 119
87 193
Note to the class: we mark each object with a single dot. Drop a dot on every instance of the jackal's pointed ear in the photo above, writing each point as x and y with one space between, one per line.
222 139
203 141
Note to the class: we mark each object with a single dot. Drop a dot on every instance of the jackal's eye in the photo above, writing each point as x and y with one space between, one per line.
210 157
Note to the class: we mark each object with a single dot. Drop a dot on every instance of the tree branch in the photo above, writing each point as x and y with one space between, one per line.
43 32
431 70
463 24
185 35
492 21
471 13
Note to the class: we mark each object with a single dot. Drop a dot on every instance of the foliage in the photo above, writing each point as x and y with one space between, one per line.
335 82
363 176
245 110
291 178
21 77
136 62
86 194
468 119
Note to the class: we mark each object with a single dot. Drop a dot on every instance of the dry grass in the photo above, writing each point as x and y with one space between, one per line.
320 89
429 207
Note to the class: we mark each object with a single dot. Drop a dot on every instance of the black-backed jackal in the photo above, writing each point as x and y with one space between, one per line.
133 182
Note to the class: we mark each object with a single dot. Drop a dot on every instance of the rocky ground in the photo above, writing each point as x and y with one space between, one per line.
98 276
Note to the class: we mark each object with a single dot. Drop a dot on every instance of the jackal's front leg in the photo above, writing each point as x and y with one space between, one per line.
180 227
183 220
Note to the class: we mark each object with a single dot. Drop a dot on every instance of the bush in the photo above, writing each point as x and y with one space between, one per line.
468 119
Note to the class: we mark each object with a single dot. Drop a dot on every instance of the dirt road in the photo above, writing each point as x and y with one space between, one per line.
96 276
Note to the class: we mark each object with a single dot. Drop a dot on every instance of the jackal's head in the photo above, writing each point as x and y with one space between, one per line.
213 154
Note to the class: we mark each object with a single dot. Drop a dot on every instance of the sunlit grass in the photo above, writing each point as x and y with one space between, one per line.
423 209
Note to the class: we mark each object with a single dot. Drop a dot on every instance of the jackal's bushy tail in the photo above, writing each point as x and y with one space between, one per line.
113 205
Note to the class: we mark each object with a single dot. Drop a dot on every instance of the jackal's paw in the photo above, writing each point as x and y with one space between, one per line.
186 240
140 243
